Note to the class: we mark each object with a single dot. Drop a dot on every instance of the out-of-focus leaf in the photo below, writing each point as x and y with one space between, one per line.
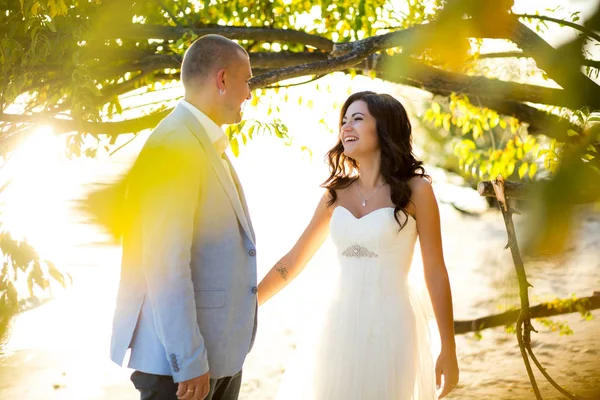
235 147
523 170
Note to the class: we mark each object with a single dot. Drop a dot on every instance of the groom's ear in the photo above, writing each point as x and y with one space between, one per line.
221 86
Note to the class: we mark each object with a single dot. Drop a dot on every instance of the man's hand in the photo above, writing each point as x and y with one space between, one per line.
194 389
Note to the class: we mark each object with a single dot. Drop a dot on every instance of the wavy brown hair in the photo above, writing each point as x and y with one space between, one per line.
398 163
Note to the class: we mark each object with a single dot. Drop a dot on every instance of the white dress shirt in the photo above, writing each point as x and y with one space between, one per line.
216 135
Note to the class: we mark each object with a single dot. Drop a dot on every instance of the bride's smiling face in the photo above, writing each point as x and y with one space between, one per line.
358 131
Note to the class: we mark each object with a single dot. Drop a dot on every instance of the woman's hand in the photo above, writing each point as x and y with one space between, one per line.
446 365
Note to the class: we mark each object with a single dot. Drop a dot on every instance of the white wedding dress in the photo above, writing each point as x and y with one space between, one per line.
371 342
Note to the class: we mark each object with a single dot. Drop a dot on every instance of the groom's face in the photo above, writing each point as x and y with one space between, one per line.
238 89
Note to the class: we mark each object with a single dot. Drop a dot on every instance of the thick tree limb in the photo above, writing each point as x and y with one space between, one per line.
259 60
108 128
543 310
481 91
317 68
518 54
445 82
142 32
553 62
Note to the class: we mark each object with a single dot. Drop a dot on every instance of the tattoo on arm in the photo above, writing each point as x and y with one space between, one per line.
282 270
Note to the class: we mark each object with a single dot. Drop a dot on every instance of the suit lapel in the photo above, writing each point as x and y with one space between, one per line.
198 130
242 196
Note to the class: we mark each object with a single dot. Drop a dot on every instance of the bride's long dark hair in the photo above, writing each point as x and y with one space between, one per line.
398 163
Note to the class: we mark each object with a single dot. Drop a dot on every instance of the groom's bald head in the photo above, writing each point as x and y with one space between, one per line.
206 56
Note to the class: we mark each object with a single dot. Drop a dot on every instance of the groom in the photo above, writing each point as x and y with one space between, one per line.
187 301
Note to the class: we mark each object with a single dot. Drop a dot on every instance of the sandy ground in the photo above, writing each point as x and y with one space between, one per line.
59 350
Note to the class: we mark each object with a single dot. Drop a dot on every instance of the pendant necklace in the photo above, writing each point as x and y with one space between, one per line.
364 203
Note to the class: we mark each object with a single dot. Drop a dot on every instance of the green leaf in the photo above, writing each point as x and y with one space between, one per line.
435 107
469 144
510 168
466 127
477 131
278 132
251 131
51 26
35 8
529 143
523 170
235 147
544 152
56 274
571 132
532 170
446 124
494 120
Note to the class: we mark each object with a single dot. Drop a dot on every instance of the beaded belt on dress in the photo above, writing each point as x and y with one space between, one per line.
358 251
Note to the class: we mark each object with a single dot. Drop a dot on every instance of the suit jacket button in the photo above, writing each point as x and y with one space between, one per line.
252 252
254 290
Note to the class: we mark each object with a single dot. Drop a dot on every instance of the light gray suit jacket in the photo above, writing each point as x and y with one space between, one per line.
187 297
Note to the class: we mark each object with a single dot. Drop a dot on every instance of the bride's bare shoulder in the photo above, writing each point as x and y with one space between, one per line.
419 183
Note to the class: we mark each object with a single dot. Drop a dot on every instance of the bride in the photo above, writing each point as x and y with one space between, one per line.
371 341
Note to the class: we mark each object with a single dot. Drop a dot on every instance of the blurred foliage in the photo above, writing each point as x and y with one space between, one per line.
59 52
239 136
22 264
484 143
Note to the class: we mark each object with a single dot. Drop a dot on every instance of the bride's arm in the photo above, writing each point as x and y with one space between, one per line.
296 259
436 278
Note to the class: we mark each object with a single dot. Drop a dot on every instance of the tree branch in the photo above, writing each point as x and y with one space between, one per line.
445 82
505 97
548 377
141 32
553 62
517 54
542 310
109 128
317 68
570 24
501 96
481 91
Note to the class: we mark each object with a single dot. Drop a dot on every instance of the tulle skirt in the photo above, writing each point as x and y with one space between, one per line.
369 341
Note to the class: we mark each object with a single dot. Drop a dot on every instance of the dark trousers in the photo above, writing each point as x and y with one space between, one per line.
162 387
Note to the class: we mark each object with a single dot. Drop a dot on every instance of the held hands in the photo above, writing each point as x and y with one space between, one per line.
446 365
194 389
